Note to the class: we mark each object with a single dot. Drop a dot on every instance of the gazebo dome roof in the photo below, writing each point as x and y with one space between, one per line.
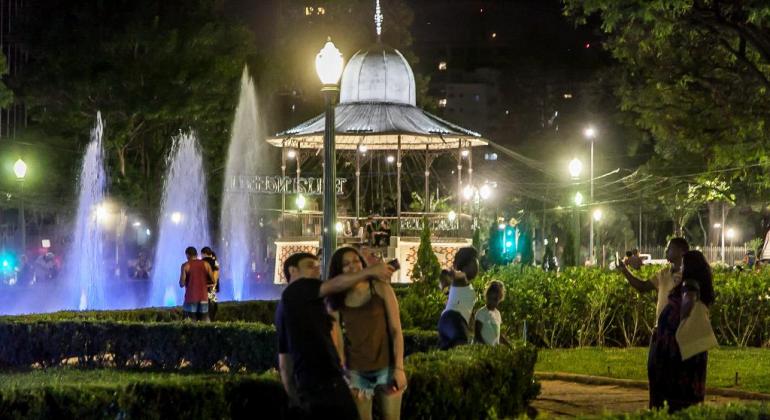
378 74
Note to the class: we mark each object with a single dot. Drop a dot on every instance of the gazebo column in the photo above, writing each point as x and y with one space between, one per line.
358 184
459 176
283 188
470 166
398 188
426 197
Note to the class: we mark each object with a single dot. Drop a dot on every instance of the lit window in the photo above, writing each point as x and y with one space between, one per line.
321 10
308 11
442 65
442 103
567 96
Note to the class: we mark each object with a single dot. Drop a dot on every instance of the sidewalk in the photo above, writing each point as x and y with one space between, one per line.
571 395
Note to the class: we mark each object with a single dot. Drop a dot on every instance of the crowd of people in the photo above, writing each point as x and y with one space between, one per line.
340 344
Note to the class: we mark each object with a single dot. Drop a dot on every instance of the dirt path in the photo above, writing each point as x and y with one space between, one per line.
560 398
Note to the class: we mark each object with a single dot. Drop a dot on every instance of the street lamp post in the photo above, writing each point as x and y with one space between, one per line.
590 134
20 170
329 67
576 239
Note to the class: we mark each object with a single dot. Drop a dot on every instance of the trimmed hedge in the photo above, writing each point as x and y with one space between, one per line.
731 411
162 346
470 382
466 382
247 311
181 397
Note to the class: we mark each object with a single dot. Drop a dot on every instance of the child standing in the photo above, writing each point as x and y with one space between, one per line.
488 318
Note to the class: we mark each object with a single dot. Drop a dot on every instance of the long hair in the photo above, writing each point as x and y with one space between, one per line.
697 268
336 300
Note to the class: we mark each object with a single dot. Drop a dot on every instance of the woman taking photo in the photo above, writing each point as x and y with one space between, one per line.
372 343
681 383
454 324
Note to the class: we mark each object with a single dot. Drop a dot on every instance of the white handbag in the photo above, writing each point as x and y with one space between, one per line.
695 334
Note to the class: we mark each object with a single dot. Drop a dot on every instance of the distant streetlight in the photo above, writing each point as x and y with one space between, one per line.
465 153
390 158
300 201
329 66
452 216
20 170
468 192
176 217
291 154
730 233
590 134
485 192
362 148
598 214
578 199
575 168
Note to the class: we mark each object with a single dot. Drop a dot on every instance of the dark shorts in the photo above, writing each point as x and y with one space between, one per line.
452 330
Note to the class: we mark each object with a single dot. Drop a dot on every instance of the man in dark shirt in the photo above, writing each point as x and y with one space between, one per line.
211 259
310 369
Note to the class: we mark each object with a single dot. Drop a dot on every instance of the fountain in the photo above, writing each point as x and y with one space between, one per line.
183 218
84 270
238 227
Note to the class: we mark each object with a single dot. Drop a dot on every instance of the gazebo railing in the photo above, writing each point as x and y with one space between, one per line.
308 224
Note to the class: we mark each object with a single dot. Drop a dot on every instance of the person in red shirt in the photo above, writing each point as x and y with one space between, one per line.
194 278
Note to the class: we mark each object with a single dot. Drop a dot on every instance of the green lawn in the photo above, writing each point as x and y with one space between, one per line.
751 364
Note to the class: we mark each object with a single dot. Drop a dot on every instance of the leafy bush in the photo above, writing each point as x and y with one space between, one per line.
699 412
161 346
427 268
248 311
590 306
466 382
469 382
124 397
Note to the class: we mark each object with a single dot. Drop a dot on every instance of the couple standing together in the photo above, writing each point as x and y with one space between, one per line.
339 341
683 289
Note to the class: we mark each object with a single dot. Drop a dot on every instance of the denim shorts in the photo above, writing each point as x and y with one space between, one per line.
196 307
367 381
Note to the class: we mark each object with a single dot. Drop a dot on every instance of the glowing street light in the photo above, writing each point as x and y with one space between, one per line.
452 216
597 214
465 153
329 66
391 159
468 192
329 63
20 169
575 168
362 148
730 233
176 217
578 198
485 192
300 201
589 132
291 154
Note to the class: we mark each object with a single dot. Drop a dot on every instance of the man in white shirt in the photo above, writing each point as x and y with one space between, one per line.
663 282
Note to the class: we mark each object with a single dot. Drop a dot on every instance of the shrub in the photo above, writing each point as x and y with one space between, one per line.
469 382
698 412
466 382
161 346
590 306
248 311
427 268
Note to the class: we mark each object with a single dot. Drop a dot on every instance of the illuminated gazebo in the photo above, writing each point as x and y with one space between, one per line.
377 112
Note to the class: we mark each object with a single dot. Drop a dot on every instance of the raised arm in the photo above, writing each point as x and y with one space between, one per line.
380 271
641 286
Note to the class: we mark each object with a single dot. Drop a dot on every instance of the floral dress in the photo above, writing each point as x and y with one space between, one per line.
681 383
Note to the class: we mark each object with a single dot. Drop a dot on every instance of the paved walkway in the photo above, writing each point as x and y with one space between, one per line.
560 398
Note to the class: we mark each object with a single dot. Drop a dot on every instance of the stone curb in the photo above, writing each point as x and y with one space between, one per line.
630 383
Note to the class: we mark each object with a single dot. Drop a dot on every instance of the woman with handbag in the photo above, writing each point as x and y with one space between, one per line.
683 337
